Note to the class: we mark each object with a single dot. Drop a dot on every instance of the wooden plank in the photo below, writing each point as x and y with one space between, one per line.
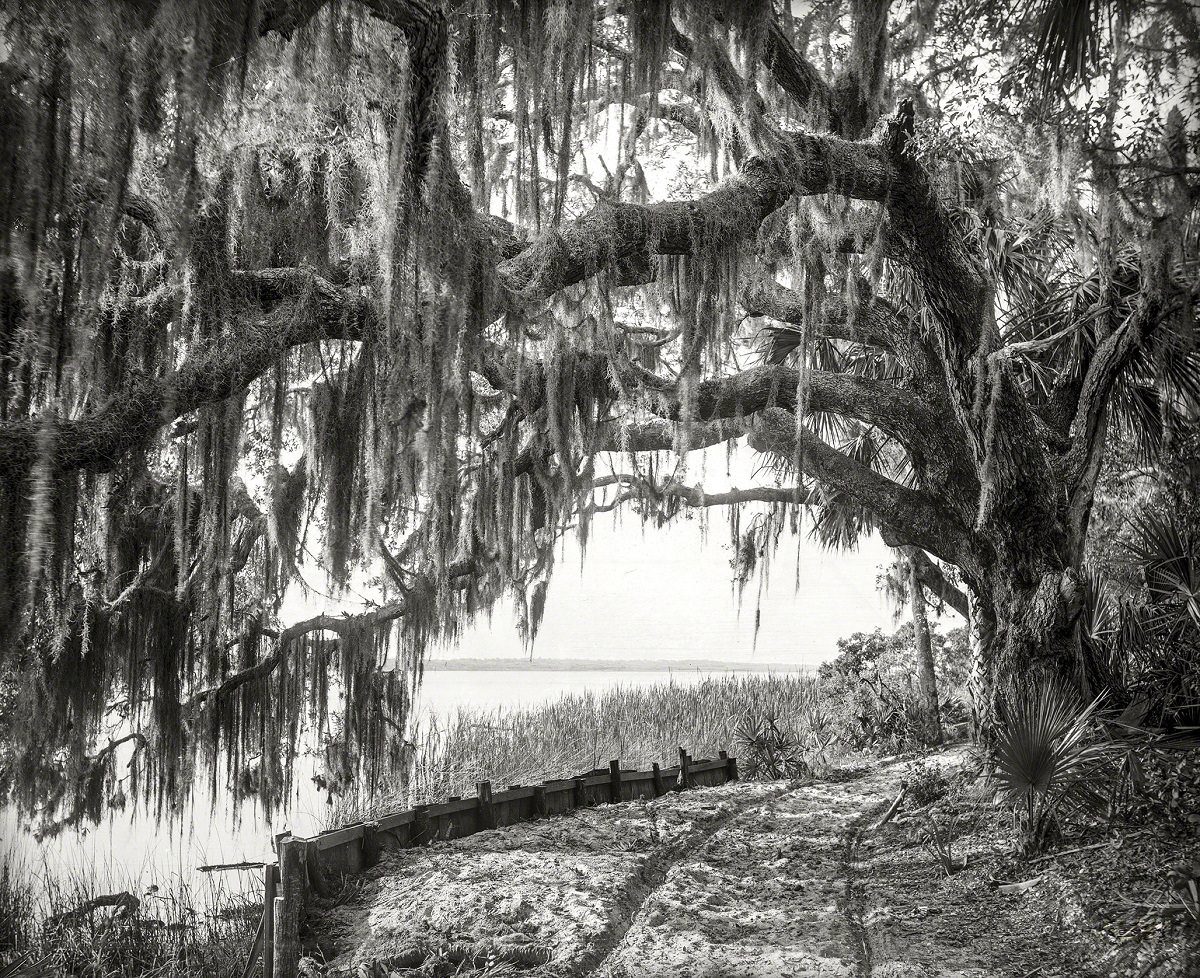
389 822
256 949
731 772
394 838
637 784
695 767
658 780
337 837
371 847
320 880
682 784
342 859
420 833
614 781
579 792
516 793
453 807
560 797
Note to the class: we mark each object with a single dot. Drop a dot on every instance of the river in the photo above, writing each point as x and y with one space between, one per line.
130 851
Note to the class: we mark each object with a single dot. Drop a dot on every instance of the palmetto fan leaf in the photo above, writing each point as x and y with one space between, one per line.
1170 559
1069 39
1043 756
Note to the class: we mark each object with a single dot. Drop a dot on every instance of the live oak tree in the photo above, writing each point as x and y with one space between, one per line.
375 285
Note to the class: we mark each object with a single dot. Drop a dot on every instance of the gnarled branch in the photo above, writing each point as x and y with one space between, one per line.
914 514
315 310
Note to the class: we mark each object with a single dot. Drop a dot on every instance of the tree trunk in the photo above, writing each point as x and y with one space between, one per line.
926 674
1024 632
981 683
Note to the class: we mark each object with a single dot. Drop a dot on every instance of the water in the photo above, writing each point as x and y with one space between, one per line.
131 850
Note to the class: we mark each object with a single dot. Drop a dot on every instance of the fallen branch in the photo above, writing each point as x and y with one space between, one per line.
222 867
1094 845
892 809
126 903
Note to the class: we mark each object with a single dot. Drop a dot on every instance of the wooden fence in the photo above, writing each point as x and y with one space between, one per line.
315 866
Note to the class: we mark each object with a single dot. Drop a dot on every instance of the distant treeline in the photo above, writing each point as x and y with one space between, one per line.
611 665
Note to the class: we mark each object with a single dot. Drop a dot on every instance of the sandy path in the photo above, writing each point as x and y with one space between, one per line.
743 880
773 892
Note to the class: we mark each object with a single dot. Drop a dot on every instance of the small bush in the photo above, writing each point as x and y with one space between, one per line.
767 750
1048 763
926 783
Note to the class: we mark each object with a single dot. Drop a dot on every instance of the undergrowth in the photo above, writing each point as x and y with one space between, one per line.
583 731
69 925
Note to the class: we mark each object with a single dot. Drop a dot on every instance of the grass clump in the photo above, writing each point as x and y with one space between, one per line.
448 755
70 925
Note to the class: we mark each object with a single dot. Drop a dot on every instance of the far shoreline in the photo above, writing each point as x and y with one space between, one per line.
608 665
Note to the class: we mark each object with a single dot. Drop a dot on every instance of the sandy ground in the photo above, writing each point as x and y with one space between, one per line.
749 879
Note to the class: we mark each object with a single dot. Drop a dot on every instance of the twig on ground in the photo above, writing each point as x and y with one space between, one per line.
1094 845
893 808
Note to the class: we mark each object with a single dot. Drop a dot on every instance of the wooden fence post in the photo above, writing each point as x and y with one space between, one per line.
614 781
684 775
578 792
370 845
270 878
280 915
540 808
658 780
420 826
731 772
289 907
487 814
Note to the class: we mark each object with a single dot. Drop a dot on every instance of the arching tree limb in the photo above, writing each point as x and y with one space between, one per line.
696 497
315 310
910 512
930 575
729 214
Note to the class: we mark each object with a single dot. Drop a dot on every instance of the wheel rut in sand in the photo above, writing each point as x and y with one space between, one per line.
747 880
774 891
854 895
650 879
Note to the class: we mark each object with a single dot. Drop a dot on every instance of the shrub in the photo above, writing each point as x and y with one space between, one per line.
1047 762
926 783
767 750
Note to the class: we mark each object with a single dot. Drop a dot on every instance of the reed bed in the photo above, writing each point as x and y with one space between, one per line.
582 731
182 929
169 931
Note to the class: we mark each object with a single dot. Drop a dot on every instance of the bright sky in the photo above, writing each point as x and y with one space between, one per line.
644 592
666 594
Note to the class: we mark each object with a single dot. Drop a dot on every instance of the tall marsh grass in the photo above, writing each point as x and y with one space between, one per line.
179 930
582 731
171 931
